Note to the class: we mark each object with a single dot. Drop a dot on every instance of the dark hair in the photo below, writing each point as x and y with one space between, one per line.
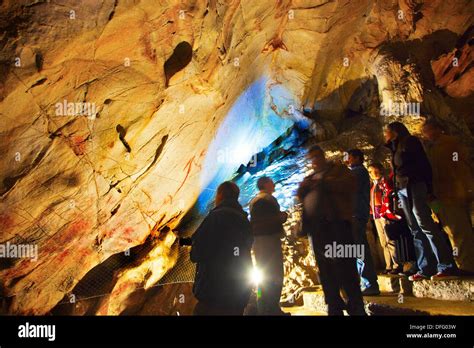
399 128
228 190
377 165
262 181
315 148
356 153
432 122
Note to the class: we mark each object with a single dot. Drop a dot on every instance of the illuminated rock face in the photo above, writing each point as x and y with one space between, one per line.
114 113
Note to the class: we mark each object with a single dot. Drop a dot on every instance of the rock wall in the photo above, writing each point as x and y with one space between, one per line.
109 108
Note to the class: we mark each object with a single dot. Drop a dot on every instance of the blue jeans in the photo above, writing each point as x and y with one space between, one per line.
431 249
365 267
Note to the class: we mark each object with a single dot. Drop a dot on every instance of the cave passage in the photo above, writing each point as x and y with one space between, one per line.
253 129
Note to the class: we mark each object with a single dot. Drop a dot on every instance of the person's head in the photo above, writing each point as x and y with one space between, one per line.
355 157
395 130
317 156
376 171
227 191
432 129
266 184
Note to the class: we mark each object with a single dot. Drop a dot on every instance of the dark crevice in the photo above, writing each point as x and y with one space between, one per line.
39 82
58 132
114 211
112 186
466 37
122 132
181 57
7 263
39 61
417 13
112 13
159 150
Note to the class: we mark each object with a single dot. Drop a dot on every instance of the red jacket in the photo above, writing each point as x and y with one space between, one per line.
382 200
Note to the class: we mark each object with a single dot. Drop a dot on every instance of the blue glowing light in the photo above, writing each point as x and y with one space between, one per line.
251 124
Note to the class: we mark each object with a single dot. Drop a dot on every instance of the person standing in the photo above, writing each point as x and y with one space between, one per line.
453 189
365 266
221 249
379 194
413 177
327 201
267 221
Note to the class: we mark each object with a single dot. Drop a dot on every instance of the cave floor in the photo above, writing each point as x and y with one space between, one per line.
388 303
302 311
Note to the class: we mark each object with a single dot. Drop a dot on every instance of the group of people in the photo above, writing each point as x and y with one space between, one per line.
221 249
425 184
434 188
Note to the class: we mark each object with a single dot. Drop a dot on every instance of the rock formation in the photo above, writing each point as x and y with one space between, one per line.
114 113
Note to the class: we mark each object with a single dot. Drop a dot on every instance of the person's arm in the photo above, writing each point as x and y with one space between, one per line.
304 188
416 162
424 165
410 155
202 241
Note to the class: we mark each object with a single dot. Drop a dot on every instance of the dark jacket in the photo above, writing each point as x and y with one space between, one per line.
328 205
329 198
265 215
339 184
362 200
221 249
409 162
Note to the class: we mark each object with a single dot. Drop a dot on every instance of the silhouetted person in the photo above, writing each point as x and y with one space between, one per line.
221 249
267 226
453 186
365 266
328 197
413 177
